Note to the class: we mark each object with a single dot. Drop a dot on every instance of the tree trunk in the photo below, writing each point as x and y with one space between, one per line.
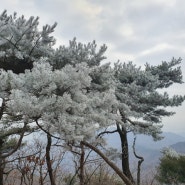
41 181
1 163
1 171
125 152
48 160
81 175
1 145
110 163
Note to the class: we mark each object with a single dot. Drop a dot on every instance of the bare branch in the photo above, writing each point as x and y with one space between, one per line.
107 132
44 130
141 159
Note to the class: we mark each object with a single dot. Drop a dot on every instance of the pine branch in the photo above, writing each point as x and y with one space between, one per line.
18 143
143 125
44 130
107 132
31 51
13 44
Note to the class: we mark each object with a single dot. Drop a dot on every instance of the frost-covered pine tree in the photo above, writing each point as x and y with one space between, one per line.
76 53
64 91
67 91
21 44
75 99
68 96
171 168
141 103
62 101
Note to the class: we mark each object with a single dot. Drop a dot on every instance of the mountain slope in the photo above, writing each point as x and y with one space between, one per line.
147 148
179 147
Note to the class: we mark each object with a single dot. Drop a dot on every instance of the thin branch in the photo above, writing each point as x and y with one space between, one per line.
34 45
107 132
89 178
13 44
141 159
44 130
94 160
18 158
22 36
111 164
71 149
59 160
87 156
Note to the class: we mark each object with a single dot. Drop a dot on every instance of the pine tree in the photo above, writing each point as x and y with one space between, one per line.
68 92
171 169
21 44
142 104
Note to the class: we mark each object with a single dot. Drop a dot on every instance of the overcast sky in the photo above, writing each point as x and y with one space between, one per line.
134 30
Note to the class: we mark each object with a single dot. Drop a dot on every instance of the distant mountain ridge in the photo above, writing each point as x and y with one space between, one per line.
147 148
179 147
169 139
145 141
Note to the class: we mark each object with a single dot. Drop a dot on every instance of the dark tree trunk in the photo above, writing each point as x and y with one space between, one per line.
1 162
1 145
1 171
48 160
81 175
125 152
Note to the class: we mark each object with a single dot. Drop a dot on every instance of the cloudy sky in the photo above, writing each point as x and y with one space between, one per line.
134 30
